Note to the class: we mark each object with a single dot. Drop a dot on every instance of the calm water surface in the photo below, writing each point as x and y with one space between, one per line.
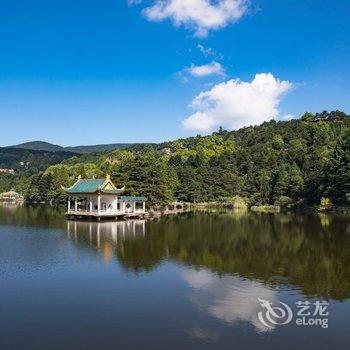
184 282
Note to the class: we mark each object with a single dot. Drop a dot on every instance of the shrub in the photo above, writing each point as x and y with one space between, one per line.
268 209
238 203
285 202
325 204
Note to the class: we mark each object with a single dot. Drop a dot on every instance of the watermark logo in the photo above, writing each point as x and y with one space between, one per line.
273 315
307 314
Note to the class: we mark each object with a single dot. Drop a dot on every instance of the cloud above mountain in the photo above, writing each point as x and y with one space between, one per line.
201 16
234 104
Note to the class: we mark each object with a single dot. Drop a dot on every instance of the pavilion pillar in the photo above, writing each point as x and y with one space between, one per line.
68 204
143 206
76 204
134 206
90 205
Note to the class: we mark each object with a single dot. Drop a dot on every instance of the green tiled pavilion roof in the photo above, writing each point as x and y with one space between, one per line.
86 186
91 186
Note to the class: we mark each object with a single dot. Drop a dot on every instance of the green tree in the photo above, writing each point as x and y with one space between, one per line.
338 172
307 117
147 175
277 142
289 182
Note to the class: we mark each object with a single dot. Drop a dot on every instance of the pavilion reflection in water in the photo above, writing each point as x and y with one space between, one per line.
98 232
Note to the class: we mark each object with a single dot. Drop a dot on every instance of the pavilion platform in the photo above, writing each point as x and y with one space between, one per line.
97 215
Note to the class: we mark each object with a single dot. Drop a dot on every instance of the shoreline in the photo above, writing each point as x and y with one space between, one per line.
183 207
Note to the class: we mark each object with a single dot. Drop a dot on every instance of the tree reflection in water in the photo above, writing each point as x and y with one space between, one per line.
306 251
205 270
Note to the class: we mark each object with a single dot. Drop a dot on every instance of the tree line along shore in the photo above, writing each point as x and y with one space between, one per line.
286 164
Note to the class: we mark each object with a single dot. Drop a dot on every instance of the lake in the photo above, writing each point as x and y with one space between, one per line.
193 281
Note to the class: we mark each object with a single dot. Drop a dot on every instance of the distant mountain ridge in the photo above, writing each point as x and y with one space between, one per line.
49 147
38 146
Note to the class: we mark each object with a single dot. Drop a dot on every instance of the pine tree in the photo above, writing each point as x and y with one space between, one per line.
338 172
147 175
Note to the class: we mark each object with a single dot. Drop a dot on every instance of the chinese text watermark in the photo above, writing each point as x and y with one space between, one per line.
307 314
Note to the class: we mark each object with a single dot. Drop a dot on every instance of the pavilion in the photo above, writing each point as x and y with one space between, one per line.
99 198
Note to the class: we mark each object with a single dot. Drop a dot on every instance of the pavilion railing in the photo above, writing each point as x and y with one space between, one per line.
104 211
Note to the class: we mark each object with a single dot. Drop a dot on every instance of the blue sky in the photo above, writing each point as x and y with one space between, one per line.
86 72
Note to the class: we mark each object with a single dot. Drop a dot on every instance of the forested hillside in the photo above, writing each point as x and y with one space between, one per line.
25 164
29 162
290 163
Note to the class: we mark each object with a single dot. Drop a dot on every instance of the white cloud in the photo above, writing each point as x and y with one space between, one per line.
202 71
235 103
208 51
199 15
206 69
